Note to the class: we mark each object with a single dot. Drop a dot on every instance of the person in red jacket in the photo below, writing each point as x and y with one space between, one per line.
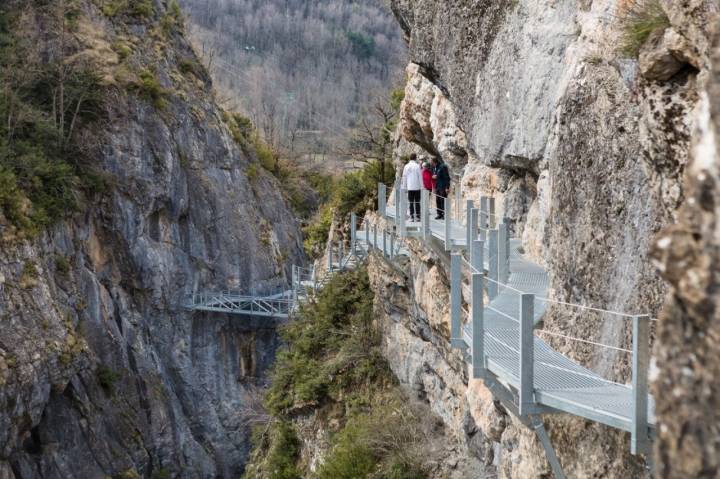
427 176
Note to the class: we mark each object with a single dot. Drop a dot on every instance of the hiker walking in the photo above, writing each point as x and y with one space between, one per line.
441 175
427 176
413 183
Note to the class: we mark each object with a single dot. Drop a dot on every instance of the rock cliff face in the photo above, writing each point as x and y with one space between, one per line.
586 150
102 372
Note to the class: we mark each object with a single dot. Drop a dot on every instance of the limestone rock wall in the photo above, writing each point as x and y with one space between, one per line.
102 371
585 149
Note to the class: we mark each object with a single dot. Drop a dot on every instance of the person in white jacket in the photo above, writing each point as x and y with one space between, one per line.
412 183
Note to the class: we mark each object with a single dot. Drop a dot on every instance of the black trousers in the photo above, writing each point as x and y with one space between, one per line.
440 202
414 200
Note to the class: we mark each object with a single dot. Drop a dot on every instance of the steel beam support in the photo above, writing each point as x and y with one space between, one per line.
527 354
392 244
456 340
640 440
493 265
384 243
478 325
539 428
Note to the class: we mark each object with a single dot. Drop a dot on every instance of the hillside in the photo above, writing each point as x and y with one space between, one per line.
304 72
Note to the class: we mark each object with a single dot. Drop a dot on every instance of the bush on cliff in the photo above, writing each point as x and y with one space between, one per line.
46 105
333 371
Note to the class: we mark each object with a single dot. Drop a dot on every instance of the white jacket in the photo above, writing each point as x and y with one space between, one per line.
412 176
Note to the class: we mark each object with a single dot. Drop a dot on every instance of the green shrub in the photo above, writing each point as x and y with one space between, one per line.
316 233
62 265
252 173
333 347
45 166
172 21
149 88
362 46
107 378
160 473
142 8
641 19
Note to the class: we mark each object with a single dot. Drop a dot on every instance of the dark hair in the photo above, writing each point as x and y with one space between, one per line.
435 159
413 157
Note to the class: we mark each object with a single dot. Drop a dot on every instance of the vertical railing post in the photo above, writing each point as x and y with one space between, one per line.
425 214
382 199
483 217
384 243
640 441
478 324
398 205
375 242
477 256
491 212
366 227
472 218
403 213
503 266
330 257
353 233
456 340
493 264
392 244
458 202
527 353
341 260
448 231
506 221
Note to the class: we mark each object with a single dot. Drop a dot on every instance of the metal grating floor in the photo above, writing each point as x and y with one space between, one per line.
560 383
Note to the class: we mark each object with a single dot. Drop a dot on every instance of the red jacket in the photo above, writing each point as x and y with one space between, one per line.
428 182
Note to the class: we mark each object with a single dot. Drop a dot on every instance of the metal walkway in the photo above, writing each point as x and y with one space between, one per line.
498 337
305 283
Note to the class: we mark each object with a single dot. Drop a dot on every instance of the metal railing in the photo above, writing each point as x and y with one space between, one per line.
486 242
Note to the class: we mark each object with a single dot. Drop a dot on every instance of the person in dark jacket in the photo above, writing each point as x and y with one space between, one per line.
441 176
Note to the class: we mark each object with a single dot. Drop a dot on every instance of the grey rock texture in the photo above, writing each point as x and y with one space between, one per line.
687 254
585 151
102 372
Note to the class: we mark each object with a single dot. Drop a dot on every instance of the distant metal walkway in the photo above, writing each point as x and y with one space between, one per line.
305 283
498 337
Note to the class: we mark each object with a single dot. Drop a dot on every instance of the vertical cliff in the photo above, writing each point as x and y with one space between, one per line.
584 139
687 254
102 372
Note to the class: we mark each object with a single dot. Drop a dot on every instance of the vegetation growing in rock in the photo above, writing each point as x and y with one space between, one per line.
47 103
148 87
640 19
107 377
333 366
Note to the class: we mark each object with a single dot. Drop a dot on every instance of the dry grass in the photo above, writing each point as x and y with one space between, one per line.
640 19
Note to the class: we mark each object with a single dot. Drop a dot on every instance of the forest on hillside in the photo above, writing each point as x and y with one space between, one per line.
306 73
